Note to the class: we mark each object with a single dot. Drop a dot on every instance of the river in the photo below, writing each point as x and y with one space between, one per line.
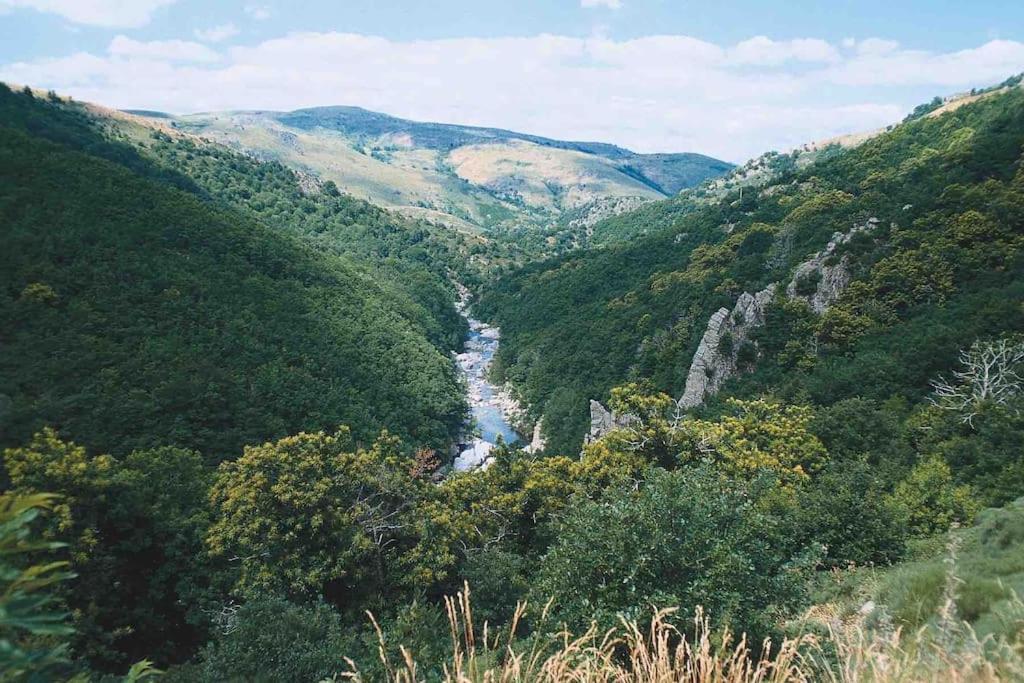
490 409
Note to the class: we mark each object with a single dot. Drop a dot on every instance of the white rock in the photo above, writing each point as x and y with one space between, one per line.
473 457
537 444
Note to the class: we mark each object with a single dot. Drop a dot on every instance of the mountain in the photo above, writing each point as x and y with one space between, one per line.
923 218
467 177
164 291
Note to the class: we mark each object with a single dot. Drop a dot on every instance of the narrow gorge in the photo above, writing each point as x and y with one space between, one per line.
493 409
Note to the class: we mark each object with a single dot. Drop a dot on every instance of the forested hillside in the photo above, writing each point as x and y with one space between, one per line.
939 269
183 295
227 385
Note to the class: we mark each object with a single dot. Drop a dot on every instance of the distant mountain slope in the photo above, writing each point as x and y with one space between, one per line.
930 258
668 173
467 177
162 292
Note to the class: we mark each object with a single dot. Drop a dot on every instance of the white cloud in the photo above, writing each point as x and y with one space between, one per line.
763 51
889 66
216 34
258 12
107 13
610 4
877 46
656 93
160 50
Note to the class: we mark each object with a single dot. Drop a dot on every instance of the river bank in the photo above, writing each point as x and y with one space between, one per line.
494 410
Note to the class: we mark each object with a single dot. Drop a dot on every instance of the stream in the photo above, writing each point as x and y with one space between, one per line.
490 408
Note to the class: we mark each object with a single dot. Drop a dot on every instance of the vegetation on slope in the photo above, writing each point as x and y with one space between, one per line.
942 270
138 312
479 180
855 440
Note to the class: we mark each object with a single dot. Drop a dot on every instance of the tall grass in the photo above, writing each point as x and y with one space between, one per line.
845 652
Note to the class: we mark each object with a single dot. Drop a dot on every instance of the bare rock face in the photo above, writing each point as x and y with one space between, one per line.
537 443
716 358
828 279
308 183
603 421
819 281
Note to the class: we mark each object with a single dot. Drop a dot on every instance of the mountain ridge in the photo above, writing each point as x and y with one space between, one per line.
471 178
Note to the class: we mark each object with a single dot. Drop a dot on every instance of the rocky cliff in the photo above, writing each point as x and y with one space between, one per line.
603 421
724 346
820 280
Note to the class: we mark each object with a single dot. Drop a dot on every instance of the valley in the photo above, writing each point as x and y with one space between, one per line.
268 373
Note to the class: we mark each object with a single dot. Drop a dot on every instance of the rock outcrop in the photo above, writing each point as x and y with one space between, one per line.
603 421
717 356
537 443
477 455
827 276
819 281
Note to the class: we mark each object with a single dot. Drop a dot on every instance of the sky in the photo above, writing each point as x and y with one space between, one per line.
728 78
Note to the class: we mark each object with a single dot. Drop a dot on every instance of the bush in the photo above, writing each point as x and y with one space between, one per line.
687 538
845 510
931 501
498 580
273 640
807 284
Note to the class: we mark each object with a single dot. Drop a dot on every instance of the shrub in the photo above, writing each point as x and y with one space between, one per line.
807 284
685 539
931 501
271 639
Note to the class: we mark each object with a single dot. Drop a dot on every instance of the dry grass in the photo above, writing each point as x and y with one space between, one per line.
661 653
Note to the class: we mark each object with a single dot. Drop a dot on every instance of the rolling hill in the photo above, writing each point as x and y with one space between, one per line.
160 290
467 177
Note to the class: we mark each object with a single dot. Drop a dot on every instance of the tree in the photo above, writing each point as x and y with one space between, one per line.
28 606
271 639
685 539
930 500
137 525
312 517
989 375
504 507
845 509
758 435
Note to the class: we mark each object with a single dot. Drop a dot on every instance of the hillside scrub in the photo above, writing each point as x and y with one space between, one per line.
939 271
229 400
140 314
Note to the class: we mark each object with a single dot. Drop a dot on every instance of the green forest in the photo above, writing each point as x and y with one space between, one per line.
230 401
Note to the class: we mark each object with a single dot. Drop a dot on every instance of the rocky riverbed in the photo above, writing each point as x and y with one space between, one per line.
494 410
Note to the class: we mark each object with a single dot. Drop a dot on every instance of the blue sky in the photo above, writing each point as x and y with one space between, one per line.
729 78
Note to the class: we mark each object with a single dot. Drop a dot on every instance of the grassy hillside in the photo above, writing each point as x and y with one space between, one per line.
470 178
985 559
942 270
144 306
668 173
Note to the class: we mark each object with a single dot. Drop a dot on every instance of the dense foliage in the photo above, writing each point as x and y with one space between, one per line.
237 392
940 271
138 314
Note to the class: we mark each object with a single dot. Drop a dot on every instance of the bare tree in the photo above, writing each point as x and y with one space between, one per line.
379 515
225 619
989 374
